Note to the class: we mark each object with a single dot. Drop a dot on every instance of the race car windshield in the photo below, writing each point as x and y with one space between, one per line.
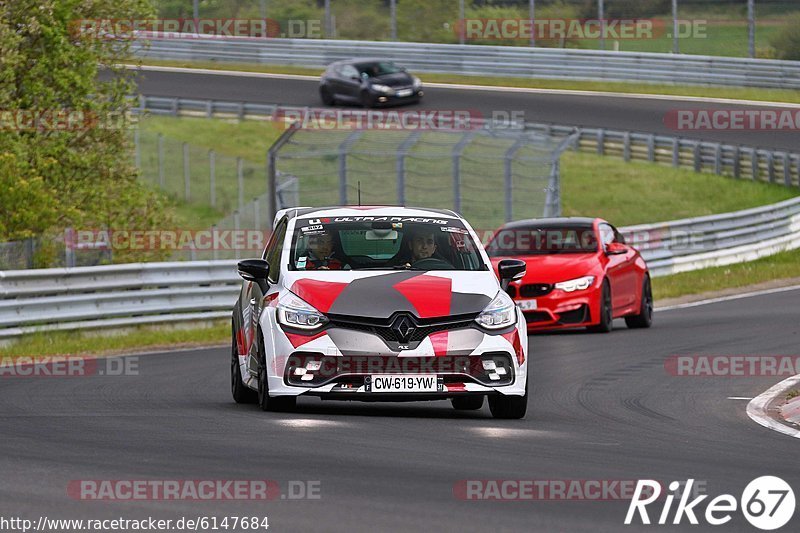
533 240
378 68
383 244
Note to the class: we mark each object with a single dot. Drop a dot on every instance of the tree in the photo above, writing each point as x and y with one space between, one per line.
54 174
787 41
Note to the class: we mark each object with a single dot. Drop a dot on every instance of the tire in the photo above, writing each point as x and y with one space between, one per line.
467 403
326 96
241 393
509 407
267 403
606 312
366 100
645 317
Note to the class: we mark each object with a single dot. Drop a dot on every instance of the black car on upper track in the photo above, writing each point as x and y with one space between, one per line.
368 82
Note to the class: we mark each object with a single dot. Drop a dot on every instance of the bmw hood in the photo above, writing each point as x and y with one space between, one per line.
553 268
380 294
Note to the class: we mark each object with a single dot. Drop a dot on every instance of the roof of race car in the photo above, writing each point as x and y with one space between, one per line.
368 210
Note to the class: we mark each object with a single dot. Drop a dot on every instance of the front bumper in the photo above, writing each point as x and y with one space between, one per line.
344 360
562 310
382 99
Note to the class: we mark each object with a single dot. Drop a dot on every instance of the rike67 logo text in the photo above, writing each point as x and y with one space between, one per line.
767 502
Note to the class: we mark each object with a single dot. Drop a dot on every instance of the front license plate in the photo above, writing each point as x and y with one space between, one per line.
402 383
404 92
527 305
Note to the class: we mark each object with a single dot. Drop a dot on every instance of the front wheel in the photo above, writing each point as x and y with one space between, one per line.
509 407
366 99
326 96
241 393
644 319
606 314
267 403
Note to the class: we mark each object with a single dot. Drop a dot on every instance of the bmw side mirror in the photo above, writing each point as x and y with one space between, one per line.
255 270
616 248
510 270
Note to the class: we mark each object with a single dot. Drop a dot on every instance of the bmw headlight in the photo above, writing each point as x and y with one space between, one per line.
500 313
417 82
385 89
578 284
296 313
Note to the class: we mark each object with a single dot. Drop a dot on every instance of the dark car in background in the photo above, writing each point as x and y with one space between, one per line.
368 82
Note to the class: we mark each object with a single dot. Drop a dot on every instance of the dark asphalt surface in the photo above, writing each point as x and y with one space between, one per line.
623 113
603 407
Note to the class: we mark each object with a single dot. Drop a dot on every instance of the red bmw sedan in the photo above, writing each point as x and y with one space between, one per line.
580 273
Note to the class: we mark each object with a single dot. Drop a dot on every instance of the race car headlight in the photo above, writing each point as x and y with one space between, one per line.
296 313
578 284
500 313
385 89
417 82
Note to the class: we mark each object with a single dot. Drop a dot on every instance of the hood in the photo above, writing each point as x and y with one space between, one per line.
381 294
398 79
552 268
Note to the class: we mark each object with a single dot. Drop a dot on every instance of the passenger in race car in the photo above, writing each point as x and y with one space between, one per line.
321 253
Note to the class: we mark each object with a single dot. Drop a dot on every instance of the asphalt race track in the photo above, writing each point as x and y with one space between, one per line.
623 113
603 408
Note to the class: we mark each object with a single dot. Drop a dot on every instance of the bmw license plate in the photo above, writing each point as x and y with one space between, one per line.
527 305
402 383
404 92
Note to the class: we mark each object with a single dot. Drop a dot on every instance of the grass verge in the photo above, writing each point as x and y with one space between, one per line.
736 93
80 343
783 265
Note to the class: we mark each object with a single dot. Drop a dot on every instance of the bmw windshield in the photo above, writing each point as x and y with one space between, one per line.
535 240
385 243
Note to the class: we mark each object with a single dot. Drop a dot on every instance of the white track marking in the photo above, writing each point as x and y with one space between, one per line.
728 298
501 432
757 408
739 398
309 423
491 88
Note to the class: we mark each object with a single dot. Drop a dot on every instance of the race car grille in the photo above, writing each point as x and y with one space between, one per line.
310 369
387 330
537 316
534 290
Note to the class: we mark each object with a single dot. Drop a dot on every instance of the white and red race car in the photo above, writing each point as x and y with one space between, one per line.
378 304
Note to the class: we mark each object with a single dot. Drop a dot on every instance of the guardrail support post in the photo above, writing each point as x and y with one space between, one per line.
754 164
676 152
209 108
212 177
601 139
174 106
737 162
718 159
771 167
626 146
651 148
787 170
187 193
698 156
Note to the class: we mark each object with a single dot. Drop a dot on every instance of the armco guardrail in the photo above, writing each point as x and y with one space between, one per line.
153 293
759 164
514 61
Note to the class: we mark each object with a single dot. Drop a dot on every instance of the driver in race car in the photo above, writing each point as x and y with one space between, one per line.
321 253
422 246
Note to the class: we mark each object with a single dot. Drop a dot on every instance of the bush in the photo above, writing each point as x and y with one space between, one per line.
787 42
626 9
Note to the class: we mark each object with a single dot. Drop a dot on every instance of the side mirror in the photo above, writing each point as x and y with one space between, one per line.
510 270
616 248
255 270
